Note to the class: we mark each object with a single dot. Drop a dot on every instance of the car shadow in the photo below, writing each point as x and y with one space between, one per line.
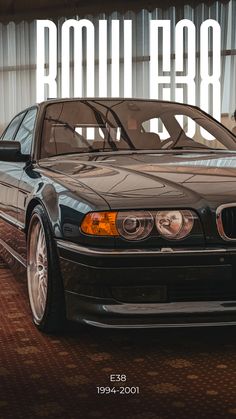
182 340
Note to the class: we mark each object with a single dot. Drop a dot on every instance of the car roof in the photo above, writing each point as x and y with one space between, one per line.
113 99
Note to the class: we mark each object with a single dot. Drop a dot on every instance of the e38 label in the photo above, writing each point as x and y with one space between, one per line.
118 389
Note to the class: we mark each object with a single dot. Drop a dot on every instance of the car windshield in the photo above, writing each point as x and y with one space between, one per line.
82 126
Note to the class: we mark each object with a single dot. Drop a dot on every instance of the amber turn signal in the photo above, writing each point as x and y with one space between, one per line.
100 224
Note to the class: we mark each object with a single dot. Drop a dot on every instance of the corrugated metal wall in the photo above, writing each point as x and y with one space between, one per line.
18 54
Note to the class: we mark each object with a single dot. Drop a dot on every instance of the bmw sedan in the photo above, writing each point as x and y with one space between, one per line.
122 212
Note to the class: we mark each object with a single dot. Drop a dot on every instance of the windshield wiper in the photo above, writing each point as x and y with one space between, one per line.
97 150
191 147
200 150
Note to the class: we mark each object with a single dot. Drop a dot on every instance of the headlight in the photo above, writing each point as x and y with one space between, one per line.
134 225
138 225
174 224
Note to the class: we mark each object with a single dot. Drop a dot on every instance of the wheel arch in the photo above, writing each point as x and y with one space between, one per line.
32 204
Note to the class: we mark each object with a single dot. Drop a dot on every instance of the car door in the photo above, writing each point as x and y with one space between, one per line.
20 129
8 188
24 135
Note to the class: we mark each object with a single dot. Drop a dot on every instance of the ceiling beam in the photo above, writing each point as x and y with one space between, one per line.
18 10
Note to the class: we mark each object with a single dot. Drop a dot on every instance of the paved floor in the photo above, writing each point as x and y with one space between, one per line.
179 373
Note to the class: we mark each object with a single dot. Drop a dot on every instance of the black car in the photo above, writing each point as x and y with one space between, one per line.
117 225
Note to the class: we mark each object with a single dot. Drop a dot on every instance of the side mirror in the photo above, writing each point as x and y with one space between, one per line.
11 151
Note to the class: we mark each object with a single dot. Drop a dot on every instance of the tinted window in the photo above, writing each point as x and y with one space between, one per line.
25 133
11 129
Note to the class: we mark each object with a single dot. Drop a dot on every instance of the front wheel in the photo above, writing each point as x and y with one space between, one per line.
46 294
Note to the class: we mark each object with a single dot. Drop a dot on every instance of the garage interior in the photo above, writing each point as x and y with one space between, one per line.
180 373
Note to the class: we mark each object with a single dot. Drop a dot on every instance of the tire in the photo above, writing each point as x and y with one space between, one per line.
45 286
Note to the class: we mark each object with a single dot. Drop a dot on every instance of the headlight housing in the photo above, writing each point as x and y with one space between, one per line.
137 225
174 224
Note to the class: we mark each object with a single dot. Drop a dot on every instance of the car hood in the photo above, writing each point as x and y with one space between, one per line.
150 180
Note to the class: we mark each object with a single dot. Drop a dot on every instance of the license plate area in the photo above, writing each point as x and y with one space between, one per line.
187 283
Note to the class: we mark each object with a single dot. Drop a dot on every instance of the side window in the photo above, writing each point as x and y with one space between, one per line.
25 132
12 127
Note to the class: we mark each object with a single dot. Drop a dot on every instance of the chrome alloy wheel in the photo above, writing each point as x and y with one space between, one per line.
37 269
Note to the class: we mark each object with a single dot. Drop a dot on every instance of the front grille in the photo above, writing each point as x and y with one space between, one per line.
227 222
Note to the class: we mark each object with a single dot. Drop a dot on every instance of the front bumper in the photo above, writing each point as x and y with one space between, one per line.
149 288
